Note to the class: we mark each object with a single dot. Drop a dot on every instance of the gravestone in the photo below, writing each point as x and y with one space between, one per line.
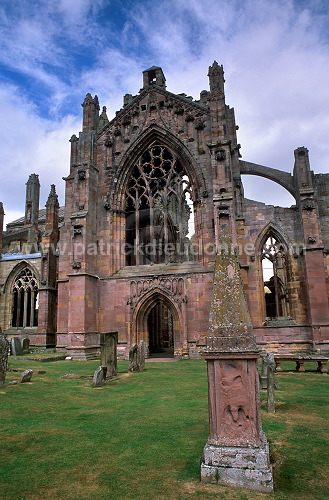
99 376
25 346
137 356
4 351
142 354
270 382
26 376
109 342
133 359
16 347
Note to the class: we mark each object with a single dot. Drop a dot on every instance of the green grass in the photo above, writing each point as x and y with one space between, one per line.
142 436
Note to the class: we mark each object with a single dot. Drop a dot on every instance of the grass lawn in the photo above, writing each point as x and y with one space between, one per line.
142 436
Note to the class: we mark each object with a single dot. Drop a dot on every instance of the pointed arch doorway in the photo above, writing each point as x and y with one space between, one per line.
160 330
158 324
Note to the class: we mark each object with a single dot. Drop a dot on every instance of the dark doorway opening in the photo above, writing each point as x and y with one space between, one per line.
160 331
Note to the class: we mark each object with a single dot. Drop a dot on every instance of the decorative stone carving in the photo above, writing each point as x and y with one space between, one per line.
236 452
199 125
81 174
308 205
170 285
189 118
76 265
108 142
77 230
220 154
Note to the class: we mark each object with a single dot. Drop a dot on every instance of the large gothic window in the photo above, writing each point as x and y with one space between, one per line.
25 299
158 209
274 264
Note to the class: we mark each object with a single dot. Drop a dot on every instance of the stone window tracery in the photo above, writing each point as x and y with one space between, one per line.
25 299
158 209
274 265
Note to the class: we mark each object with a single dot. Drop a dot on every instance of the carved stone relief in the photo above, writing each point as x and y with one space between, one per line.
172 286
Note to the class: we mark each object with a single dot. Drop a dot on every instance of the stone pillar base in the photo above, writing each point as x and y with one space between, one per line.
241 467
84 353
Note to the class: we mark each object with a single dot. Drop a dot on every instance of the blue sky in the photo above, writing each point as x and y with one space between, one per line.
275 55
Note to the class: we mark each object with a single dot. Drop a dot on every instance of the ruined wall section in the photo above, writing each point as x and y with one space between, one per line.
259 218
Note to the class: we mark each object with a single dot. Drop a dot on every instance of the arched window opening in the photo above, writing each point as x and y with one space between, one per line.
275 278
25 299
159 210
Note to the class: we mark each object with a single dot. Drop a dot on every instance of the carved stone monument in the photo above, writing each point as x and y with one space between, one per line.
237 452
4 351
109 342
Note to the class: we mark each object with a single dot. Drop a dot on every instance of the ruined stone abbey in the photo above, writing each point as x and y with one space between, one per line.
134 247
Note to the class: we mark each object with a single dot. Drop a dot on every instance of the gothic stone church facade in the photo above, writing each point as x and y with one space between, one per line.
133 249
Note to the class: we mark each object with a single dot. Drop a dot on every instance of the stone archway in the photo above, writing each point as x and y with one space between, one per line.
158 323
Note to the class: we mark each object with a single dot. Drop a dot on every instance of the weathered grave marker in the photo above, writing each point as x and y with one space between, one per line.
16 347
26 376
137 354
270 382
4 351
109 342
25 346
99 376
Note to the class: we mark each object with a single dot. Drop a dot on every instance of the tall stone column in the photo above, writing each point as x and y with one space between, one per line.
237 452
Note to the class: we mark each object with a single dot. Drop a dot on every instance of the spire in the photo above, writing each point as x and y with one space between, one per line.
52 207
216 78
103 119
90 112
52 198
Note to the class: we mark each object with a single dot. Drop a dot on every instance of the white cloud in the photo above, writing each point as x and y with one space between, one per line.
275 57
31 145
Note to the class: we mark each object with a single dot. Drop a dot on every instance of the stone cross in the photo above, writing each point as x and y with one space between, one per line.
237 451
109 342
267 359
4 351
